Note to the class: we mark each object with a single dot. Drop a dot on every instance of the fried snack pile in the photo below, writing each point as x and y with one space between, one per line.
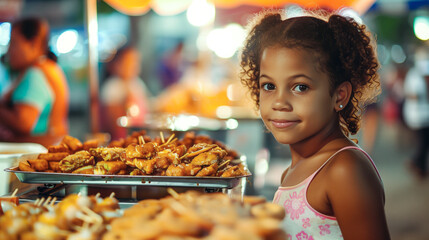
140 155
194 215
50 161
76 217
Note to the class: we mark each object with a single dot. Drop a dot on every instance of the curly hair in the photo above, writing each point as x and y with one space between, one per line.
344 50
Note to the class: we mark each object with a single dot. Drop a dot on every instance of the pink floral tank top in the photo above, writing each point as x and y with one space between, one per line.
303 222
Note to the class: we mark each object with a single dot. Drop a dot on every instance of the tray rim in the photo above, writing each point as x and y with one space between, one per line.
138 180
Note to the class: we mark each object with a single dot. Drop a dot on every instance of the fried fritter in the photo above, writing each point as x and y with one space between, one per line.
77 160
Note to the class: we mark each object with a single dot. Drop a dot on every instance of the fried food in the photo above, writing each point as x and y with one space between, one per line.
109 167
214 155
38 164
146 151
73 143
93 143
85 170
57 156
107 154
25 166
234 171
208 171
77 160
141 155
268 210
193 215
58 148
147 166
136 172
54 166
176 170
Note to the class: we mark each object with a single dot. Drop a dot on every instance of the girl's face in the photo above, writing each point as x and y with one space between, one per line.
295 100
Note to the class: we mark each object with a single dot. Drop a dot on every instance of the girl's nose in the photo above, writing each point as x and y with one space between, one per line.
281 103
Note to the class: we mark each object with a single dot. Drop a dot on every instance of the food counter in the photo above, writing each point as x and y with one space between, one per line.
73 192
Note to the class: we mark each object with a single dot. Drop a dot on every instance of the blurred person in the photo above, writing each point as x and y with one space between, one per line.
370 121
416 110
171 66
124 92
35 107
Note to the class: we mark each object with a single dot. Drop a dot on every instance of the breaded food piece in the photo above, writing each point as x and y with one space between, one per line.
117 143
109 167
93 143
77 160
58 148
107 154
57 156
89 169
39 165
73 143
210 157
136 172
25 166
54 166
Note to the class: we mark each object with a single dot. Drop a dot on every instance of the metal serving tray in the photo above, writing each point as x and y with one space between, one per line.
90 179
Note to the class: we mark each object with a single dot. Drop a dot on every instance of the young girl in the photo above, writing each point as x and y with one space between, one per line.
310 76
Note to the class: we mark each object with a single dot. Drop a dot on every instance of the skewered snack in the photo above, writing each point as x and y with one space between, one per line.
194 215
138 154
76 217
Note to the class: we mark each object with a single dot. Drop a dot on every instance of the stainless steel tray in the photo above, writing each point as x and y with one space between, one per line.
90 179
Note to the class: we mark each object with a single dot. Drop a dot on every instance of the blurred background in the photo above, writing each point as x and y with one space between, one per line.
188 66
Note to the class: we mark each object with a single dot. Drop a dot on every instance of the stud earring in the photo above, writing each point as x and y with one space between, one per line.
341 106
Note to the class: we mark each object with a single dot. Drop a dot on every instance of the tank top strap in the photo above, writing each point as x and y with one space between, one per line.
342 149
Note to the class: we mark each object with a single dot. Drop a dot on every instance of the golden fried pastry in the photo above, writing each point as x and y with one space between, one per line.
25 166
73 143
89 169
54 166
94 143
147 166
109 167
56 156
268 210
38 164
209 157
208 171
58 148
253 200
76 160
107 154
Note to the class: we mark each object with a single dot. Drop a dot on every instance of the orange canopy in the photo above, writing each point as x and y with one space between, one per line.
139 7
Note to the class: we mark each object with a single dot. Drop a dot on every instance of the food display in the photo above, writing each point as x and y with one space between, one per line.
193 215
189 215
76 217
139 154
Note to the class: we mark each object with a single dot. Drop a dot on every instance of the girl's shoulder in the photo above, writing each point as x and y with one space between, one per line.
352 167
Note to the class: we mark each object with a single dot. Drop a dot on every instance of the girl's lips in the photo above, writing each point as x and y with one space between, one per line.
283 123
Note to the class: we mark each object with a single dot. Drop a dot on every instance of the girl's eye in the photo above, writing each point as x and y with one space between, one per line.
268 86
300 88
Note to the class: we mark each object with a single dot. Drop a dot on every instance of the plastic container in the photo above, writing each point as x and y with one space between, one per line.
10 153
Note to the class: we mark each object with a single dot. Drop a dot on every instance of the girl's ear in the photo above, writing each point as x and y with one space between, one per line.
342 95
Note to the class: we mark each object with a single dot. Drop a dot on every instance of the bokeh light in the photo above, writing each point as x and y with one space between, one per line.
5 33
67 41
201 13
421 27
